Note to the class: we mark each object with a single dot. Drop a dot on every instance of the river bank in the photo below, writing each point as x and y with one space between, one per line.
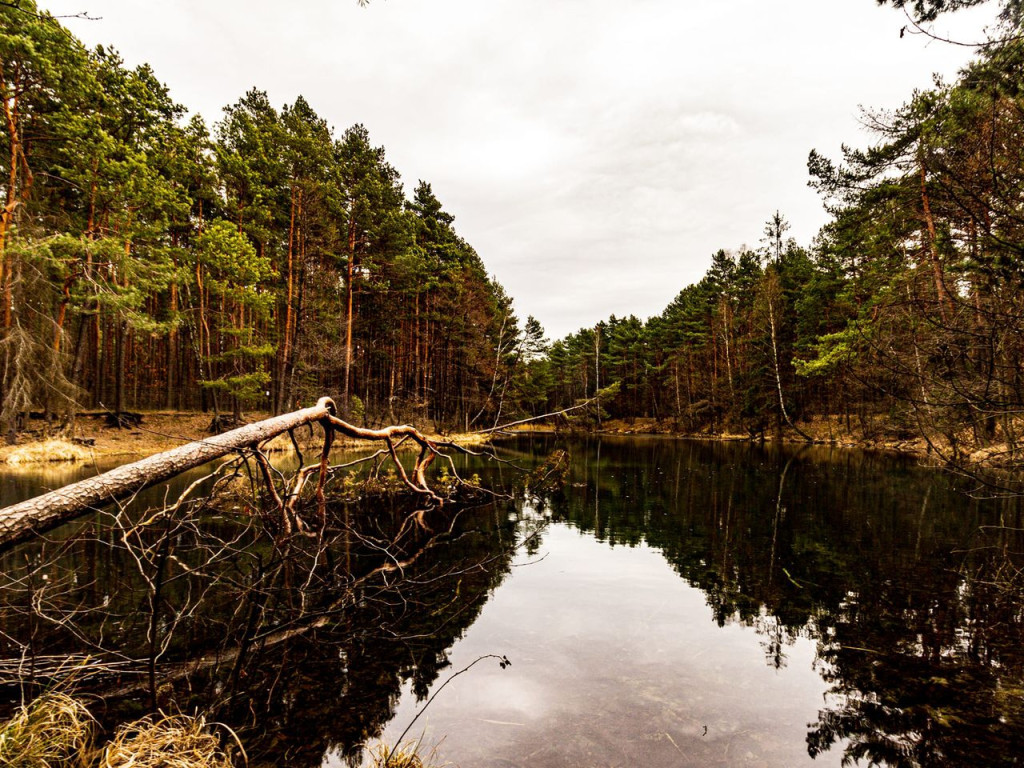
973 455
93 439
823 431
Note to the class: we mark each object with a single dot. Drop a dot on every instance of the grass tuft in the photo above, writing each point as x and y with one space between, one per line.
401 756
55 729
45 451
171 741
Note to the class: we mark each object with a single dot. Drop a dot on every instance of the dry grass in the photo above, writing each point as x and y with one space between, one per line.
282 443
466 439
401 756
53 730
171 741
159 431
57 730
44 452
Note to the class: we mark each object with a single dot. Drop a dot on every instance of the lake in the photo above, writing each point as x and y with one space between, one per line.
677 603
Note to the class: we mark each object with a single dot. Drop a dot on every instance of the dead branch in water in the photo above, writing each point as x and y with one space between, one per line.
33 517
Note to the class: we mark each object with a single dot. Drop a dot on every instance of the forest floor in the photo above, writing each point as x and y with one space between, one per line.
93 439
158 431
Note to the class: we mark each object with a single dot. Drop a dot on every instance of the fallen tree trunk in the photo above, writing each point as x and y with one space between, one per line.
22 521
33 517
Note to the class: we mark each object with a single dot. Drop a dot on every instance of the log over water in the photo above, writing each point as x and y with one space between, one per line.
20 522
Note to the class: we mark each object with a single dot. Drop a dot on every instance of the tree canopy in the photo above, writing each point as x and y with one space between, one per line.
901 321
148 261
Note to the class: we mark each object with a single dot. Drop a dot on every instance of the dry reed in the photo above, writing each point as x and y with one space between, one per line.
401 756
53 730
45 451
168 741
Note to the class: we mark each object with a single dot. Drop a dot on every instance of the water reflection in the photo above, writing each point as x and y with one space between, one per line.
682 603
300 647
18 483
614 662
910 591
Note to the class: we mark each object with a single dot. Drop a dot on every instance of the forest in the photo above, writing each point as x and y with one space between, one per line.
150 261
903 317
260 261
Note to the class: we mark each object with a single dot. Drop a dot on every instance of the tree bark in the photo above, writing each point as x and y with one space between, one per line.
286 338
21 522
941 291
10 105
27 519
349 298
778 377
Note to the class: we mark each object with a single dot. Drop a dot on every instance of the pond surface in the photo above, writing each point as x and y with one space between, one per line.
679 603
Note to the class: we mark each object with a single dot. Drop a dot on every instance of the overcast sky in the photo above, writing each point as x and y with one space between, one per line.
594 152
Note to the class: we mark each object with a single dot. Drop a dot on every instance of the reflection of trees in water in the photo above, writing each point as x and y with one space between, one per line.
300 646
929 672
915 605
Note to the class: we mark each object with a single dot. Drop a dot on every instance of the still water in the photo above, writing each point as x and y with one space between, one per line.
678 603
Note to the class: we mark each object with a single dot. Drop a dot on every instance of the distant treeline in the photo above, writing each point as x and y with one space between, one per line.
905 315
147 262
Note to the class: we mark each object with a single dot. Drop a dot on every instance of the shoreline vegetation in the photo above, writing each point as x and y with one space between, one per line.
93 440
58 729
828 432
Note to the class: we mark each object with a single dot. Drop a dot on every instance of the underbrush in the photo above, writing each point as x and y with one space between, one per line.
55 729
171 741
